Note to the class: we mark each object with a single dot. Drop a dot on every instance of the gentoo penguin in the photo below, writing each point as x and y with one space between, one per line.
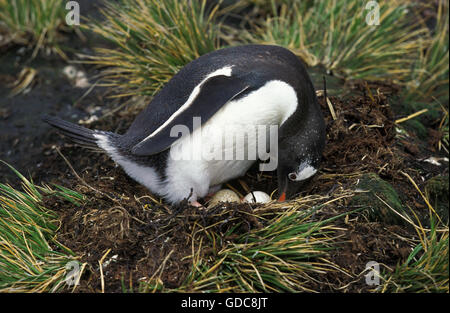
223 93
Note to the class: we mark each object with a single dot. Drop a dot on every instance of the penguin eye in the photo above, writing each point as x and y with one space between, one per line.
292 176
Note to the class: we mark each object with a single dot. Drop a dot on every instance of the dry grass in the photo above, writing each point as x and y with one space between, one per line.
336 35
285 253
428 81
426 268
32 23
31 259
154 39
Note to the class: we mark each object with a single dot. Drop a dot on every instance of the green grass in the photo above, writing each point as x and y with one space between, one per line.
33 23
443 128
153 40
426 269
335 34
31 259
290 250
428 81
281 257
376 194
288 254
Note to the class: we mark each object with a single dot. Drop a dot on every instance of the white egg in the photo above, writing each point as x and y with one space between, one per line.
259 196
224 195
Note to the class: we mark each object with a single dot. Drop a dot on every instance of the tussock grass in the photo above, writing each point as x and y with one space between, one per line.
426 268
443 127
429 80
287 254
154 39
336 35
32 23
31 259
289 247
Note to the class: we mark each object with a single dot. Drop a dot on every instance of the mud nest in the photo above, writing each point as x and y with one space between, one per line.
139 232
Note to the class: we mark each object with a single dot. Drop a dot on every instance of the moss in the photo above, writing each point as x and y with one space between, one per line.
415 126
437 192
375 209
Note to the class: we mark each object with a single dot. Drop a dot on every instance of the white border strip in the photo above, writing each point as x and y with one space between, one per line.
224 71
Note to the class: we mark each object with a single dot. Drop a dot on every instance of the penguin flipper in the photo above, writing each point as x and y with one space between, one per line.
214 93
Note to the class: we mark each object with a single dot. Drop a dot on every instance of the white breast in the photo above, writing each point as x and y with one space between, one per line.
145 175
271 104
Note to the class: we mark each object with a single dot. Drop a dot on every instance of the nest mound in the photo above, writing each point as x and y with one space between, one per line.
141 238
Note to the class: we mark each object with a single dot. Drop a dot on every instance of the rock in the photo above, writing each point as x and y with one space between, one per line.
70 72
259 196
81 80
77 77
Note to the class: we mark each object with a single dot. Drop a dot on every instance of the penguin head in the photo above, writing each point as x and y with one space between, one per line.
298 160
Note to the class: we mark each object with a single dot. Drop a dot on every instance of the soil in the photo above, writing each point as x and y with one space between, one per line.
22 132
140 230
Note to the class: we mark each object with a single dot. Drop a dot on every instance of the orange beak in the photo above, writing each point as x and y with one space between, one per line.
282 197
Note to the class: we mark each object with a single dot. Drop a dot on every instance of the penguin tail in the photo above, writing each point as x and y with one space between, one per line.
82 136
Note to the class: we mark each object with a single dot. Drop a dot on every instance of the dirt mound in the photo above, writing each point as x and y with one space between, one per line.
360 136
138 236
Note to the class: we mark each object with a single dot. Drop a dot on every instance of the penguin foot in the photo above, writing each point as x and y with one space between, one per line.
196 204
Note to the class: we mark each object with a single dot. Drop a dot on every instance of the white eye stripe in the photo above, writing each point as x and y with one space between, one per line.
306 172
